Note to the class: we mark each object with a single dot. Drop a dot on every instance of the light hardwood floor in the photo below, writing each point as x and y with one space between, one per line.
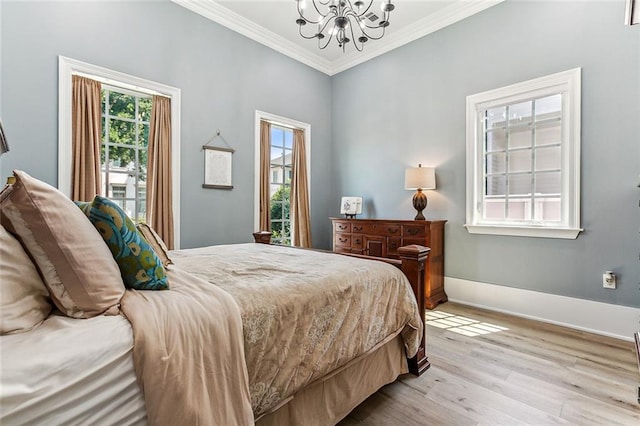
518 372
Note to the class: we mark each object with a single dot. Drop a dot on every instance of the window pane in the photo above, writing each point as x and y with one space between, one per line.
496 140
496 185
520 184
520 113
121 157
276 210
288 139
494 209
288 154
520 138
276 174
144 109
548 183
548 209
519 209
495 117
122 132
277 136
496 163
143 135
520 161
548 158
121 105
288 174
548 133
548 108
276 156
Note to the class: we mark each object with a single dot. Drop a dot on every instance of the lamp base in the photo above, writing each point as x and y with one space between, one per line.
419 203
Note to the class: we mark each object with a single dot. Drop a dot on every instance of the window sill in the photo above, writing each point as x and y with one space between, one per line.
525 231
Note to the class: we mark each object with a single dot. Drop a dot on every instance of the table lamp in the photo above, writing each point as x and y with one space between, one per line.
420 178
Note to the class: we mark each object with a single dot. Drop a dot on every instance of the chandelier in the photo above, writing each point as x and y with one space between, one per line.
346 20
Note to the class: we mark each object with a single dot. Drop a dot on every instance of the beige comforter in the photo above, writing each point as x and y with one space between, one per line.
304 313
189 354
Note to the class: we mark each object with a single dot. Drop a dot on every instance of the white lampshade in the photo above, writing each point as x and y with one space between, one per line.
420 178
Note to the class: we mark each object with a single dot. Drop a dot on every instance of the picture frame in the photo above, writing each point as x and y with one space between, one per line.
218 163
351 206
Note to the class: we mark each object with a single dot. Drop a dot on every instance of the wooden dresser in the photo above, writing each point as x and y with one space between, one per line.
382 238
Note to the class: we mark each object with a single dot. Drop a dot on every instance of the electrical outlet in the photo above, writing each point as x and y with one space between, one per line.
609 280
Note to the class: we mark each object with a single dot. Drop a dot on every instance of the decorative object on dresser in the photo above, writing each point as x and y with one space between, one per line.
383 238
420 178
351 206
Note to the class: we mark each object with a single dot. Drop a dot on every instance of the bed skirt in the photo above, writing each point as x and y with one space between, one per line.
330 399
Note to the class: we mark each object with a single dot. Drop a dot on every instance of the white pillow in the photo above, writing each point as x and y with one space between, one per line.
24 299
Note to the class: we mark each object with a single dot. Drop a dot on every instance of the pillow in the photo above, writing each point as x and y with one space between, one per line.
139 265
75 264
24 299
154 240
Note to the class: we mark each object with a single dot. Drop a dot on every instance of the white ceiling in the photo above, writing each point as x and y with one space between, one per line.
272 23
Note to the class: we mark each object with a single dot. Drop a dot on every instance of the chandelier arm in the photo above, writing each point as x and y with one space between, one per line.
356 41
327 43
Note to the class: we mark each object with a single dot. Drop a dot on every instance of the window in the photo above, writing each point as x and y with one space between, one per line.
280 185
523 150
128 124
123 156
280 174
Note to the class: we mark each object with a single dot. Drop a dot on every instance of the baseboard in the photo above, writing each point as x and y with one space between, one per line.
620 322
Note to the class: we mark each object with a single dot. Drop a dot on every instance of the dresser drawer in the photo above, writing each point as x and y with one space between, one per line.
388 229
356 241
342 227
342 240
412 231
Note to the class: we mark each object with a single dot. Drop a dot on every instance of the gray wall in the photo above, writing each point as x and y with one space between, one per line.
224 78
408 107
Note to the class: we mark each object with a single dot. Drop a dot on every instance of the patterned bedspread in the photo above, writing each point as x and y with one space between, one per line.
305 313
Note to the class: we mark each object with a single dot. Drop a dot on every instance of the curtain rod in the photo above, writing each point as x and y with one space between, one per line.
120 85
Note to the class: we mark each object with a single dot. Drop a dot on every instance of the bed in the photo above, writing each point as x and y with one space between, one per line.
247 333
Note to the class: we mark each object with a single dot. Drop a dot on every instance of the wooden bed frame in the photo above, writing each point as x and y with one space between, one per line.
412 264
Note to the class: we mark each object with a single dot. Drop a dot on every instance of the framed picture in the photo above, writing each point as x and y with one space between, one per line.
632 12
217 167
351 206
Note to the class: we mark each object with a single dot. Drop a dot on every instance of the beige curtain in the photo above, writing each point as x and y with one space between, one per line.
265 166
86 134
300 221
159 173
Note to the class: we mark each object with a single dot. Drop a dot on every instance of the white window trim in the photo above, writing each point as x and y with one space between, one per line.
566 82
285 122
68 67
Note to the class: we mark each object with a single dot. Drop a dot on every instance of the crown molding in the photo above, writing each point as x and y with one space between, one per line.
227 18
457 11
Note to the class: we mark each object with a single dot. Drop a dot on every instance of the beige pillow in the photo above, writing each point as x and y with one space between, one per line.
155 242
75 263
24 300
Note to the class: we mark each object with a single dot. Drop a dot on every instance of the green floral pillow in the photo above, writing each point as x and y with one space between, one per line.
140 267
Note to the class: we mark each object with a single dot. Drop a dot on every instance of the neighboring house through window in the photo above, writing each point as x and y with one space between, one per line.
523 153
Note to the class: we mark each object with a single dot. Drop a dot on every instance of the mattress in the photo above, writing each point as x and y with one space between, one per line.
70 371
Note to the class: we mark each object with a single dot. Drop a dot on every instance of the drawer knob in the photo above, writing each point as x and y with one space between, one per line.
343 240
357 228
392 230
412 231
